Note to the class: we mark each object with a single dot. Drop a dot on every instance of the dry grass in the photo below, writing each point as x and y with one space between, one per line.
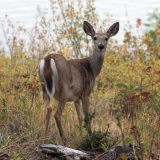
126 96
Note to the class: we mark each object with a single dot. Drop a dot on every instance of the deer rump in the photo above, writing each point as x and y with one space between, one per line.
69 78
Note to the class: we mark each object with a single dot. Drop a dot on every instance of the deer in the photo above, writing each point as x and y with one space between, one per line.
74 79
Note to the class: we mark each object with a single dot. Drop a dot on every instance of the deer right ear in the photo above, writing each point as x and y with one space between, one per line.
88 28
113 30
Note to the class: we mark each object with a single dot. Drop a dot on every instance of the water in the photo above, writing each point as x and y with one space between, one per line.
25 11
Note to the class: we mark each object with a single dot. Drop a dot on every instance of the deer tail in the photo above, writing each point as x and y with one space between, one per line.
49 76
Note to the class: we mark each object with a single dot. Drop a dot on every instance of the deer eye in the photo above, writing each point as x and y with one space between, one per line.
106 38
95 38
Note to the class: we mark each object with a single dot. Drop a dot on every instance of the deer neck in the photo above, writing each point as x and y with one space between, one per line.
96 61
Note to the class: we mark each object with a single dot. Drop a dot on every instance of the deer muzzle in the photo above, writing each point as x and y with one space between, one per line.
101 46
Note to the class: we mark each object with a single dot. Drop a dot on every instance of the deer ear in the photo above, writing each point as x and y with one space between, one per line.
88 28
113 30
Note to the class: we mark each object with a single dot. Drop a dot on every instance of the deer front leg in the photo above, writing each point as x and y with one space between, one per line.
57 116
87 121
77 106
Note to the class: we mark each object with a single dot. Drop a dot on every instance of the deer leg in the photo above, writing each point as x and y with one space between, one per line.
85 104
57 116
77 106
46 99
48 115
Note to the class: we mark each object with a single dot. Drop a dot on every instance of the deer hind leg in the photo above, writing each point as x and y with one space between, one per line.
46 99
57 116
78 110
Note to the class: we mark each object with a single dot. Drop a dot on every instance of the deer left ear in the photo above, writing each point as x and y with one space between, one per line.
88 28
113 30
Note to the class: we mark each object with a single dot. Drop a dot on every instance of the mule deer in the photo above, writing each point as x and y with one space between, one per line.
73 80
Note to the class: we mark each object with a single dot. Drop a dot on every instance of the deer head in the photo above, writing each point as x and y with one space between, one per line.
100 39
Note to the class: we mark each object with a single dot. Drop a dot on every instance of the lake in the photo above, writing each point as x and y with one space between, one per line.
25 10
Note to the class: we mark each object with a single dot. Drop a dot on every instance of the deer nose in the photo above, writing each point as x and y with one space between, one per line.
101 46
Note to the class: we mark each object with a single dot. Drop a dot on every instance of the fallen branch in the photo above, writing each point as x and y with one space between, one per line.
59 151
